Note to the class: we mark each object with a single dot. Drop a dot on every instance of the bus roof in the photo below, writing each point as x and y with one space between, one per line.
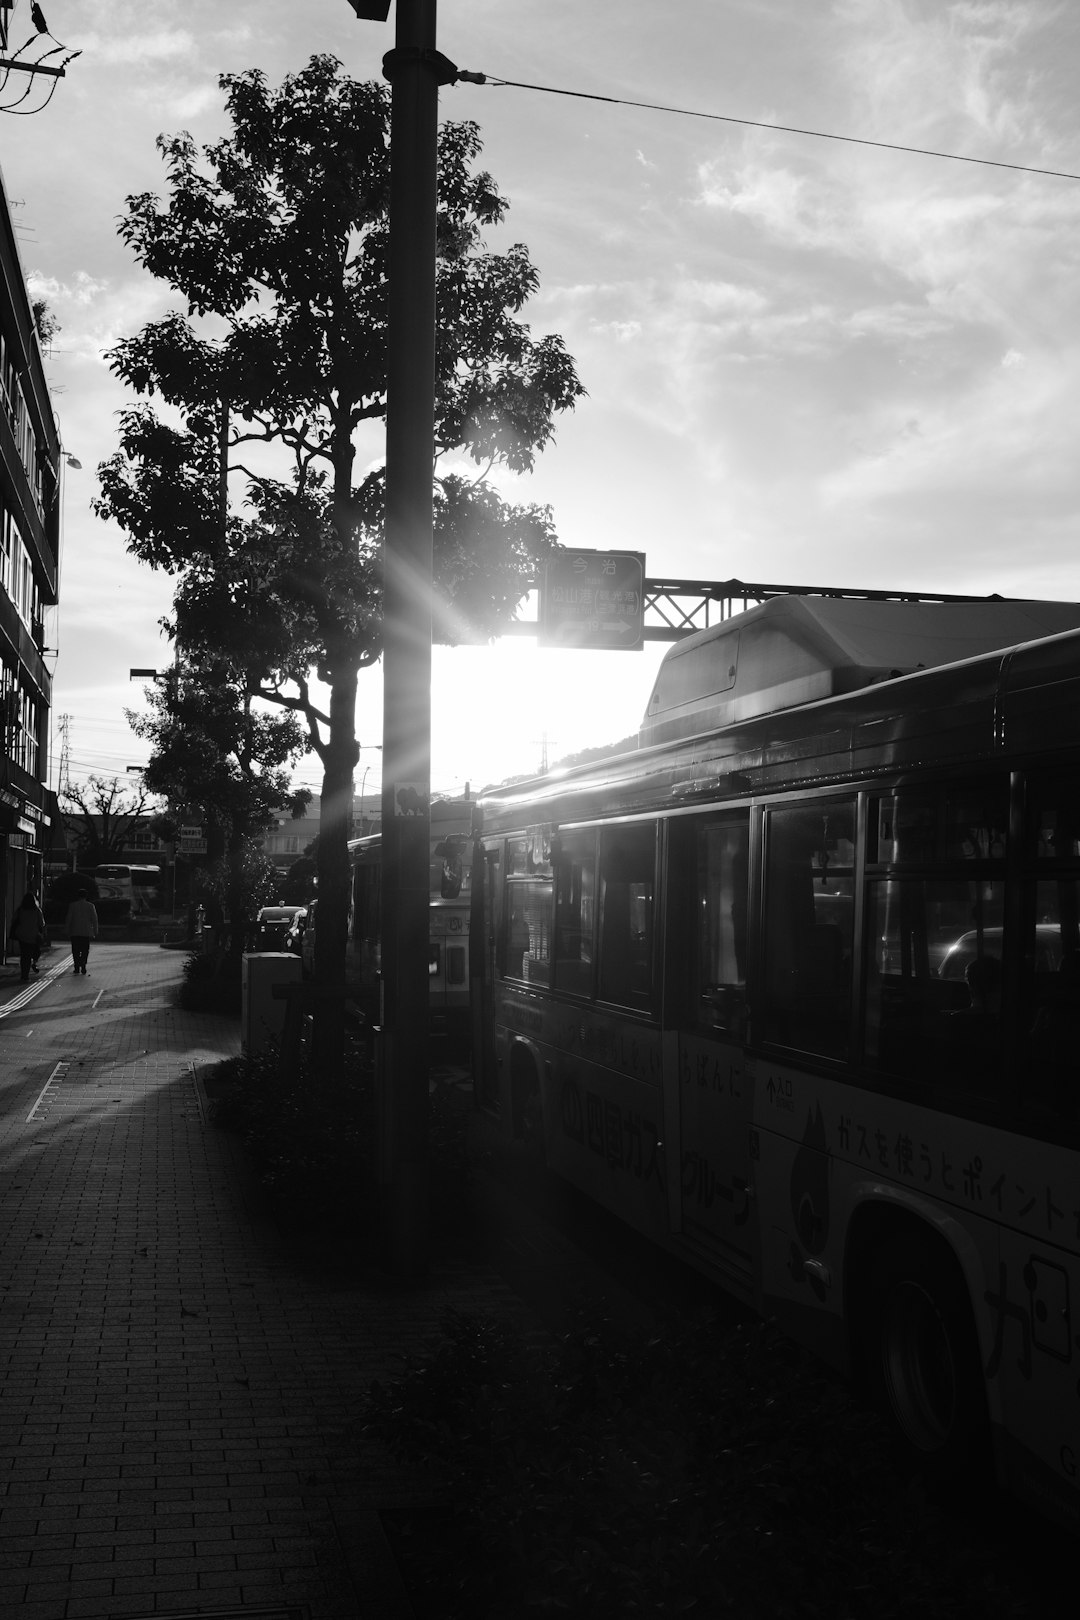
448 818
1026 698
795 649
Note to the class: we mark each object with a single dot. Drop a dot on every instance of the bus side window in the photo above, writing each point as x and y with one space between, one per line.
720 902
934 981
809 925
627 883
575 888
1050 985
524 950
1051 1072
936 959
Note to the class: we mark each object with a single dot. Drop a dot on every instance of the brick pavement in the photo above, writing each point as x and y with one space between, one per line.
179 1393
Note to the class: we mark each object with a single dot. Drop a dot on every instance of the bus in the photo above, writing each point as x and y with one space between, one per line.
794 991
140 886
448 913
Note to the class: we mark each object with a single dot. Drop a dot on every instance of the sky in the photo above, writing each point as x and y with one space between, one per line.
806 360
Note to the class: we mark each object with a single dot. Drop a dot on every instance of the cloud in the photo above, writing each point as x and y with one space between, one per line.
921 70
81 291
140 47
1008 443
191 104
621 331
114 311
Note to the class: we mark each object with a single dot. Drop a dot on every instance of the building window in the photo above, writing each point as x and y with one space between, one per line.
20 715
17 571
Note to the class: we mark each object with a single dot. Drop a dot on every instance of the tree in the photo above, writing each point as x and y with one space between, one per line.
241 883
45 321
104 817
215 750
279 242
298 883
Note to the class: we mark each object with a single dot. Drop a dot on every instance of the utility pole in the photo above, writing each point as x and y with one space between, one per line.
415 71
64 777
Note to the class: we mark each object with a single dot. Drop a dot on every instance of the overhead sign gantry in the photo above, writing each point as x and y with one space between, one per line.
602 600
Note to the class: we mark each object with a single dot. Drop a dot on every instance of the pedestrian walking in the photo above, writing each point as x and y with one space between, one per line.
28 930
82 926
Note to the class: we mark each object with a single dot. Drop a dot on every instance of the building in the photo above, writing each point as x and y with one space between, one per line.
30 468
287 840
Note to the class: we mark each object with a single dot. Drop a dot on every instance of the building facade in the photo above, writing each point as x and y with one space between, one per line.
287 840
30 463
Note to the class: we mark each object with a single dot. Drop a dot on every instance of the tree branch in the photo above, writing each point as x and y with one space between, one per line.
299 705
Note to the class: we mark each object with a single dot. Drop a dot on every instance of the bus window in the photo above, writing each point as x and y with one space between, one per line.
575 887
1051 1001
809 921
1050 986
1054 817
525 944
627 881
965 822
719 970
934 981
448 873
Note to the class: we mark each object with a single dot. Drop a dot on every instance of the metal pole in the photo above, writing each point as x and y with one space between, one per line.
407 640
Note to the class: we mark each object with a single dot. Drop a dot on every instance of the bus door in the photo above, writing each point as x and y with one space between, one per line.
707 1084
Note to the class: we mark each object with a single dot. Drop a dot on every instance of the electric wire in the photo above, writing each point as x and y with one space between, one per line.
756 123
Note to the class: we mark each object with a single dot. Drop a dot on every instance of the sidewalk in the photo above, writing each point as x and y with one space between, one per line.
181 1397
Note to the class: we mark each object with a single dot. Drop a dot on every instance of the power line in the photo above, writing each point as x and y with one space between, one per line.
756 123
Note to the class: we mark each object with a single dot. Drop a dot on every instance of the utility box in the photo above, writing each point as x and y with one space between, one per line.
262 1018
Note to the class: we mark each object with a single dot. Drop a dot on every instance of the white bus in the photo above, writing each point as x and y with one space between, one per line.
139 885
448 917
794 990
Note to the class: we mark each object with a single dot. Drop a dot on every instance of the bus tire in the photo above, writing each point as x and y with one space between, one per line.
924 1358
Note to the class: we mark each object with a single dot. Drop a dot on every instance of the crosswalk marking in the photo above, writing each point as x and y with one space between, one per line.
29 991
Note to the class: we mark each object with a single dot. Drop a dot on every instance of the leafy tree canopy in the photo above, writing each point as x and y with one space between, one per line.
240 886
215 751
280 234
277 239
218 755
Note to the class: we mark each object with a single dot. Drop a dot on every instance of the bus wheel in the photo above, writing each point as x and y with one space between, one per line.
928 1367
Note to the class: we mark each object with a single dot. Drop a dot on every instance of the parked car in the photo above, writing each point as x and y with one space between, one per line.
294 934
271 926
965 949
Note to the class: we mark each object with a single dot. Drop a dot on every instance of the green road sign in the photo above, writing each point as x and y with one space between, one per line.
593 599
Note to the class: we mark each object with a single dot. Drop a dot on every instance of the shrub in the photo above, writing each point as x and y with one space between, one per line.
312 1143
709 1469
211 982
